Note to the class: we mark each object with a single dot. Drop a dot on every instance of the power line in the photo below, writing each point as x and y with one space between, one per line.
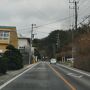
84 10
80 23
28 28
85 18
43 32
66 18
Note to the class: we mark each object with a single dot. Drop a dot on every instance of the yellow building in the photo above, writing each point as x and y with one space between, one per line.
8 35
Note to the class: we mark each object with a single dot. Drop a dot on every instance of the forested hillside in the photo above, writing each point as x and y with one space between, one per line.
59 43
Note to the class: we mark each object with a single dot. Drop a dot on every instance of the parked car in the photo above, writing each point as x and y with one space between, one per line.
53 61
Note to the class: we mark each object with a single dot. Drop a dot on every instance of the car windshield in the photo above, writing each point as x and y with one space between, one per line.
53 59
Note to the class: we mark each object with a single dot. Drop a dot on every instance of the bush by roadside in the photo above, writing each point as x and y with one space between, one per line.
14 57
3 65
11 60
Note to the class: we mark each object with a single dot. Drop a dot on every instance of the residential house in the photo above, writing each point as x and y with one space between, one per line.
8 35
25 49
24 44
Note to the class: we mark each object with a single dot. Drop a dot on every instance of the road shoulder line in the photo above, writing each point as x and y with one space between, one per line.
3 85
76 70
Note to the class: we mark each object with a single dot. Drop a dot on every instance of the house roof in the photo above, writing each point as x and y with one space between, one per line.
24 38
7 27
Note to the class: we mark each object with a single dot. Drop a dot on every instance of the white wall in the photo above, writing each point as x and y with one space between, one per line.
23 43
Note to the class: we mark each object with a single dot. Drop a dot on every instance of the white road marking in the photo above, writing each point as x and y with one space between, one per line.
79 71
2 86
75 75
41 69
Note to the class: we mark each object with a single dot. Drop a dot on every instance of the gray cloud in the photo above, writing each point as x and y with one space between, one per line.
26 12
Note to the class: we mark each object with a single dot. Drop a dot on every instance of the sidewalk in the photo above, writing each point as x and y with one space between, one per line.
10 74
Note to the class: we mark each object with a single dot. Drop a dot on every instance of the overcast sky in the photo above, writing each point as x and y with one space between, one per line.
48 14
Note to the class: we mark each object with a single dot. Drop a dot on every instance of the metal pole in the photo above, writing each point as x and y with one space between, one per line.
54 50
75 15
58 42
72 44
73 47
30 56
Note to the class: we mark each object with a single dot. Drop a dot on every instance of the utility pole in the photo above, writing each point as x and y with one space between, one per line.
76 16
31 40
58 42
54 50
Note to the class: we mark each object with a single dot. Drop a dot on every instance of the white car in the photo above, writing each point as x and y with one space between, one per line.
53 61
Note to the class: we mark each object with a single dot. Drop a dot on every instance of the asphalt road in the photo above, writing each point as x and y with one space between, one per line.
45 76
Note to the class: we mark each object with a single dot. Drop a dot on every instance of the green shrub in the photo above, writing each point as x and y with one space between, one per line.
3 65
14 56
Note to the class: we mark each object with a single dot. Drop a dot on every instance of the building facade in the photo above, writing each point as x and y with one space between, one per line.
8 35
26 50
24 44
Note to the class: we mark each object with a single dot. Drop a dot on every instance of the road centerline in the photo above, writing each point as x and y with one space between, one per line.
61 77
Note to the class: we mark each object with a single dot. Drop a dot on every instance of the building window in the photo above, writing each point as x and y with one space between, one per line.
4 35
23 47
